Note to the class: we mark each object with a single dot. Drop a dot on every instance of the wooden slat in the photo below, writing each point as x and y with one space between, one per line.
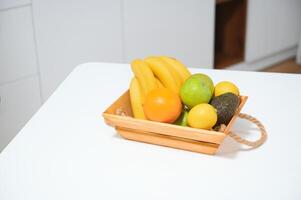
165 129
243 100
123 103
151 138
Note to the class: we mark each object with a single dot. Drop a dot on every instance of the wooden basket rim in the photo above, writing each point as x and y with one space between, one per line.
108 116
172 129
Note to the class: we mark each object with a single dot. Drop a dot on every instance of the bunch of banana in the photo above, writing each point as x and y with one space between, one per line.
151 73
137 98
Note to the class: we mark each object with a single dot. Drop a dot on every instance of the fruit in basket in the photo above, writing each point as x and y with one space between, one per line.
136 98
178 66
225 87
144 75
206 79
152 73
226 105
182 120
164 74
202 116
162 105
159 83
172 70
194 91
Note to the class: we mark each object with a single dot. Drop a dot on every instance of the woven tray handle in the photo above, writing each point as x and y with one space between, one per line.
261 128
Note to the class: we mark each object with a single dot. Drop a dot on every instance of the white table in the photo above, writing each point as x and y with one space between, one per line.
67 152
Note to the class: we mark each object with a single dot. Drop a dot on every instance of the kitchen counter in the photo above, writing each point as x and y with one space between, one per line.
66 151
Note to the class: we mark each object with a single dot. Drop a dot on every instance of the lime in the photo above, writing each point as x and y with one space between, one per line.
195 91
182 120
225 87
202 116
206 79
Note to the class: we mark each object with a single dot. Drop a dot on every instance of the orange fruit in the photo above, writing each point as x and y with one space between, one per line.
162 105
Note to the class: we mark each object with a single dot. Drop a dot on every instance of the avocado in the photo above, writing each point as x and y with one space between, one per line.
226 105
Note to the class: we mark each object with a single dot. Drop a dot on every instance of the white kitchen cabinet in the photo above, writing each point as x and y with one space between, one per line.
19 101
6 4
17 47
182 29
290 23
272 26
70 33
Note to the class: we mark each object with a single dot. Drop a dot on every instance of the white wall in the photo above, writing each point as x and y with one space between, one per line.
182 29
19 78
17 49
19 101
272 26
8 4
68 33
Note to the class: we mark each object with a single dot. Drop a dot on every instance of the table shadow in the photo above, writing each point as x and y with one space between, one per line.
230 148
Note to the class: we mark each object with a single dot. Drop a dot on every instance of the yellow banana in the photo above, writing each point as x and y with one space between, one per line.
162 72
159 84
136 97
174 73
178 66
144 75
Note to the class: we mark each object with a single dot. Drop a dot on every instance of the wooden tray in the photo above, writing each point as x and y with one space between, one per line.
119 115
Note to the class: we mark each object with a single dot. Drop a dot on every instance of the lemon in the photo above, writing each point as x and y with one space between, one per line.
225 87
202 116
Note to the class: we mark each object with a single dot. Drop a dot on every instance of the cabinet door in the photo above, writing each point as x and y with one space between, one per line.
71 33
17 47
272 26
182 29
19 101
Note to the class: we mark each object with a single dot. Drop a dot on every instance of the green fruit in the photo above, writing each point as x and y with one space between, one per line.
207 80
182 120
226 105
195 90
